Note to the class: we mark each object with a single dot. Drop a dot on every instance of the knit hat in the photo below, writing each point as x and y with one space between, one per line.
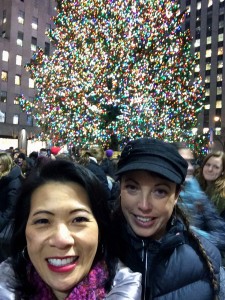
55 150
109 153
153 155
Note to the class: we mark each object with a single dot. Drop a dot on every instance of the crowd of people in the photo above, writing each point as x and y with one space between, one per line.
144 225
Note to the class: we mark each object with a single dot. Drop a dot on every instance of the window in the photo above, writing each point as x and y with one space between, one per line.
16 100
3 96
219 104
34 23
2 117
207 79
36 3
5 55
197 43
4 76
207 92
220 51
20 38
17 80
33 43
221 24
208 53
47 49
220 64
30 120
4 34
197 68
199 5
18 60
206 118
31 83
4 17
21 17
209 40
16 119
220 37
208 67
219 90
219 77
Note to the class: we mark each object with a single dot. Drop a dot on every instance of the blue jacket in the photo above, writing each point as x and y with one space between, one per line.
171 268
202 214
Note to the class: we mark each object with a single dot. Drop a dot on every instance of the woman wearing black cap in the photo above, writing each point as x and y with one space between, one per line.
153 234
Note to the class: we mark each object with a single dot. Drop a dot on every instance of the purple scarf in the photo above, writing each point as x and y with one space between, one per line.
90 288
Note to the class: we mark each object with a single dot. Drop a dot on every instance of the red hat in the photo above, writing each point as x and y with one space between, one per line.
55 150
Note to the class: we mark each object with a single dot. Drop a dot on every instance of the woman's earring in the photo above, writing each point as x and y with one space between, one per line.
25 254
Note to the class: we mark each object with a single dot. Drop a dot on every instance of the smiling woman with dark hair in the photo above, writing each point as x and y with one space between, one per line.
61 246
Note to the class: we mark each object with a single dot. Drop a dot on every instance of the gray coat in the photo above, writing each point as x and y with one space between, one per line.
126 284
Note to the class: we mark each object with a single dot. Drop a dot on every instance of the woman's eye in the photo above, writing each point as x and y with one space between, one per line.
131 187
160 193
80 219
41 221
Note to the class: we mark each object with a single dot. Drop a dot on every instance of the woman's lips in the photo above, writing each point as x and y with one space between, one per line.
60 265
144 221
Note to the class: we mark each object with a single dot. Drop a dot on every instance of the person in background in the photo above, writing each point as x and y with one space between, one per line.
61 246
202 213
11 180
211 177
91 159
15 154
108 165
24 163
153 234
33 158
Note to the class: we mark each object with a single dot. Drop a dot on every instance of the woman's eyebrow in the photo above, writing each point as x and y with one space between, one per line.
51 213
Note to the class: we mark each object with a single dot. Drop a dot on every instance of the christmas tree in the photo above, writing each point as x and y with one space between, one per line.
120 68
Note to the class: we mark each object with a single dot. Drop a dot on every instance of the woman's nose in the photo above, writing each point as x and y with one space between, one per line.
61 237
145 202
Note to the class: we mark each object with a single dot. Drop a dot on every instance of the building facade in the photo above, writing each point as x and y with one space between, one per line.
206 19
23 25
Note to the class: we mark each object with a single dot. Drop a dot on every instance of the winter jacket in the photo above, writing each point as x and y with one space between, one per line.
171 268
203 215
109 167
95 168
9 189
126 284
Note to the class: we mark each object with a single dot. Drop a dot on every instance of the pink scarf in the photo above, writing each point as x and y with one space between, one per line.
90 288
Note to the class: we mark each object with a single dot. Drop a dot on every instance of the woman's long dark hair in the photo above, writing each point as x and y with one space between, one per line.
61 171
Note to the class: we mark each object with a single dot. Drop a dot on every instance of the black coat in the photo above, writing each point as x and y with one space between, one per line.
172 268
9 188
98 171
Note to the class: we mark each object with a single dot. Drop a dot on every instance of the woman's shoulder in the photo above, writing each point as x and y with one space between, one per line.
6 281
126 284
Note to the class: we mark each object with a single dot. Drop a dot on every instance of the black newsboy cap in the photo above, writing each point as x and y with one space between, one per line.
153 155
